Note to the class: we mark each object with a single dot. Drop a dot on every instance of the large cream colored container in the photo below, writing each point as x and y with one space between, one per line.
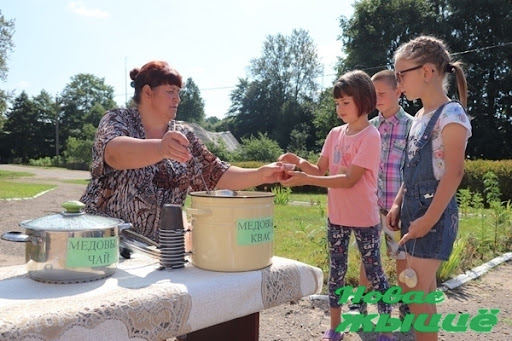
232 231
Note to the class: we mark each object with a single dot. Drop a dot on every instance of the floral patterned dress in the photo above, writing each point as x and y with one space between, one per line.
137 195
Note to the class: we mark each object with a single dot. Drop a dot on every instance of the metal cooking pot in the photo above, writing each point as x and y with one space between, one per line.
70 247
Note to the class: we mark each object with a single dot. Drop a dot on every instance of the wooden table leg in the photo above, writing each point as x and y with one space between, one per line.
241 329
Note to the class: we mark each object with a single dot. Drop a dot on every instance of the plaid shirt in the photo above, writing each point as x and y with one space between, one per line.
393 132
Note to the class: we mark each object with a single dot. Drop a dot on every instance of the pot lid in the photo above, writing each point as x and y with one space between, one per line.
226 193
73 219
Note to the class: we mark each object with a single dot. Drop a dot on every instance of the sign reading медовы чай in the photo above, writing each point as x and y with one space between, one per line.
92 252
254 230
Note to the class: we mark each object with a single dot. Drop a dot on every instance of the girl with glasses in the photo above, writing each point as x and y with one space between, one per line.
426 203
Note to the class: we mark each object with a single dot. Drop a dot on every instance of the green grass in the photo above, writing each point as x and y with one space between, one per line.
9 190
300 234
77 181
12 175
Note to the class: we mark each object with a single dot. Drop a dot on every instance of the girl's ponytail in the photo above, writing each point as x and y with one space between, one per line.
460 79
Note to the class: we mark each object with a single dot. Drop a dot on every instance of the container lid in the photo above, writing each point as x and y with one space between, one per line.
73 219
226 193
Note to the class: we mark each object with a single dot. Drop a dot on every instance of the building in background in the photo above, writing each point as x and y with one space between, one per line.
207 136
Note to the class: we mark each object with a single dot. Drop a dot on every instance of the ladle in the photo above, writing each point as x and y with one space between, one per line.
201 174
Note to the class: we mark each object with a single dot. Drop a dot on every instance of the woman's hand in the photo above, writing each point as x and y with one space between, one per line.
272 172
174 145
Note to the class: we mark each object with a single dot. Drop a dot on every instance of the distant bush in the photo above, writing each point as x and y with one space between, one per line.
258 148
474 171
55 161
78 151
60 161
249 164
220 150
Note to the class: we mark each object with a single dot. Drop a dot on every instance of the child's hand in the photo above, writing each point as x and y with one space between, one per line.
286 167
393 217
295 179
290 158
418 228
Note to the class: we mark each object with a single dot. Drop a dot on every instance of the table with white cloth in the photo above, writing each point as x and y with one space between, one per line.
141 302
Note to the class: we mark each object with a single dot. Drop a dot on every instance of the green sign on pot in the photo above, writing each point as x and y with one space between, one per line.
92 252
255 231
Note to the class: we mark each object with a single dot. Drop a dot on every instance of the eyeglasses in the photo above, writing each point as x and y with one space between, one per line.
398 74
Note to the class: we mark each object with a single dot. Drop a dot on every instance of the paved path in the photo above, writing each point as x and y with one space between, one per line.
15 211
48 173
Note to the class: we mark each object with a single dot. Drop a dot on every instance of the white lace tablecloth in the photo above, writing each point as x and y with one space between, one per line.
140 302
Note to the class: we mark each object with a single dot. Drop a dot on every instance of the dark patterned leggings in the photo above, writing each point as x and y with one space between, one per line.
368 242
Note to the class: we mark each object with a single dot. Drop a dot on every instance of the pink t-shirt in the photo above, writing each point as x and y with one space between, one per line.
356 206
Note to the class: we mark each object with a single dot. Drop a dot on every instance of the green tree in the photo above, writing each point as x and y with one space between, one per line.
276 97
298 139
211 123
191 108
378 28
46 115
252 109
481 40
476 33
325 117
19 118
6 46
29 128
79 151
6 43
290 63
84 100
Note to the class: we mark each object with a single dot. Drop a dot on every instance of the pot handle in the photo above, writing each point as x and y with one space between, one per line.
16 236
124 226
198 211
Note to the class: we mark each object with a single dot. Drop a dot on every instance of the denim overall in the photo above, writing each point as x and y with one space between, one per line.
419 188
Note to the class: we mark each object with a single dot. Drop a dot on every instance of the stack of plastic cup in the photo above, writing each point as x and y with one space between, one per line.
172 237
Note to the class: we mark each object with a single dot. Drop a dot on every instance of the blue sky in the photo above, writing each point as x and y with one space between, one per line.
211 42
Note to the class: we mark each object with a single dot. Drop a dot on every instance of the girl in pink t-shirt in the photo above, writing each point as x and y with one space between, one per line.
350 158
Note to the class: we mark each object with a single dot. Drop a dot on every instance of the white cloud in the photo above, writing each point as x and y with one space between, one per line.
79 8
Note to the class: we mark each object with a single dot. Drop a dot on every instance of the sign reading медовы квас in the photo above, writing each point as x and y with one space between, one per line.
255 231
